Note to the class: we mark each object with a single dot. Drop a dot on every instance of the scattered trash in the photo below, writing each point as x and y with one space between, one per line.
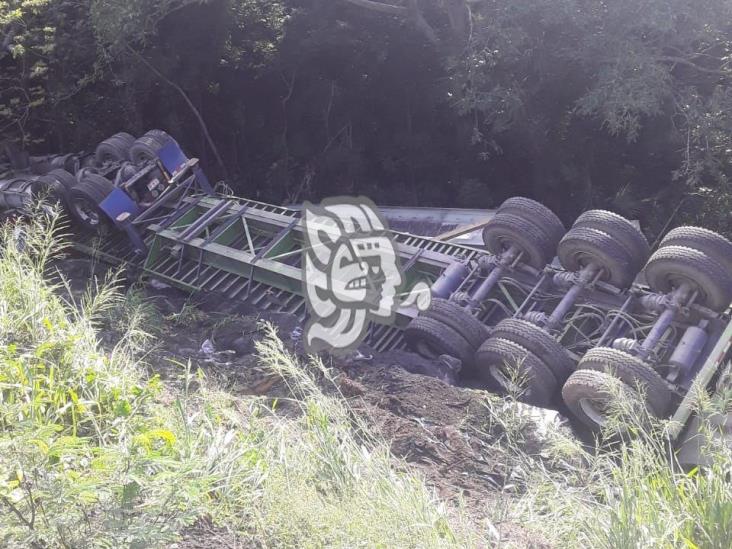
360 357
158 284
207 348
220 358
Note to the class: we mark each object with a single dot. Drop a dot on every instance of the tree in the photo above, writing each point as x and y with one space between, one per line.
618 104
457 14
578 103
26 44
631 66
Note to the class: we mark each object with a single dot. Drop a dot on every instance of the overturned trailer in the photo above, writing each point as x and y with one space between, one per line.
571 332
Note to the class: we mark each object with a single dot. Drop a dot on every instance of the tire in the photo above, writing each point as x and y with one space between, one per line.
145 149
708 242
621 230
495 355
672 266
507 229
537 341
114 149
65 178
634 373
44 187
582 246
85 198
57 184
431 338
588 394
537 213
160 136
459 319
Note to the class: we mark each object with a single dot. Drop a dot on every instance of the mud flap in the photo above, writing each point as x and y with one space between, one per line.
119 202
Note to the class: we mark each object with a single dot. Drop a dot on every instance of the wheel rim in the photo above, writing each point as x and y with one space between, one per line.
594 409
86 211
507 242
585 258
677 280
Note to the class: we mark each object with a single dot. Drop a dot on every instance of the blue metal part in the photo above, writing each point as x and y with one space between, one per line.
117 203
203 183
175 164
172 158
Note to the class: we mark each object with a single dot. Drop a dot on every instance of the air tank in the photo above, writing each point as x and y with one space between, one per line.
450 280
689 348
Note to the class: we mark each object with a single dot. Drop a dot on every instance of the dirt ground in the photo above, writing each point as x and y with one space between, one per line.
446 431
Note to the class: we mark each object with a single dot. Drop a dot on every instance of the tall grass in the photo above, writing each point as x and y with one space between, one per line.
95 453
631 491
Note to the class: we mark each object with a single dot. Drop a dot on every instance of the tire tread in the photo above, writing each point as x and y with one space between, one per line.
459 319
541 383
633 372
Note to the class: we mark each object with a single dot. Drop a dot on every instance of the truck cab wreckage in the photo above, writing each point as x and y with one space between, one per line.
607 317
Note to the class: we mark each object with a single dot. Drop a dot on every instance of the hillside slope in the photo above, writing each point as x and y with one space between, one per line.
140 417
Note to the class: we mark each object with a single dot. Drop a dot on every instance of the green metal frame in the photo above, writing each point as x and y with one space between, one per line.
701 382
263 246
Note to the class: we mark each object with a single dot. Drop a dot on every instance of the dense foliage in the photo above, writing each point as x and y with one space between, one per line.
579 103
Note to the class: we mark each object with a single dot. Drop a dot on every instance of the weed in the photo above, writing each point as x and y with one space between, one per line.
93 453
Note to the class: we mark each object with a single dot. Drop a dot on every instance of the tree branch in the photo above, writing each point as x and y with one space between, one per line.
188 101
28 524
10 33
411 12
686 62
459 15
380 7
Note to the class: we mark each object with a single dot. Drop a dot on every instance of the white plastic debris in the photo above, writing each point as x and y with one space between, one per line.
158 284
207 348
361 357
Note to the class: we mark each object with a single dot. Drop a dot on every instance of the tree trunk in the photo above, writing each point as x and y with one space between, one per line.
191 106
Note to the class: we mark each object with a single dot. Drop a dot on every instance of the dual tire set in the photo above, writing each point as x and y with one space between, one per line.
81 193
691 256
519 357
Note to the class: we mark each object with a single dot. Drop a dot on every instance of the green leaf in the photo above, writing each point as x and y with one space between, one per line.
123 409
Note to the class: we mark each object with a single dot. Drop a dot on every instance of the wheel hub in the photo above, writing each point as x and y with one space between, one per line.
86 211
